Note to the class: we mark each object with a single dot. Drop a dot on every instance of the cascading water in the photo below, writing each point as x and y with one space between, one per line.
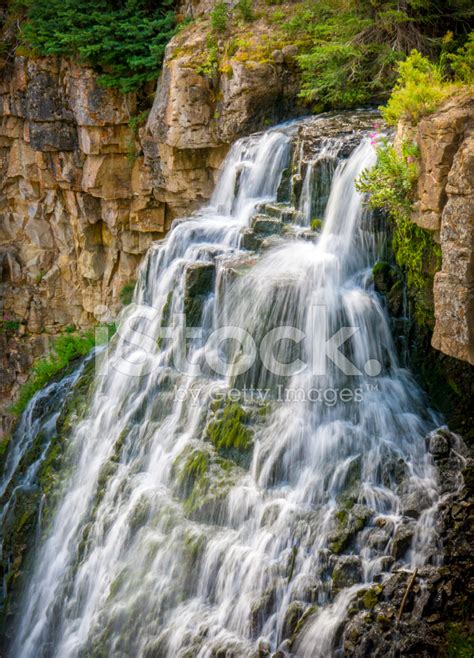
215 495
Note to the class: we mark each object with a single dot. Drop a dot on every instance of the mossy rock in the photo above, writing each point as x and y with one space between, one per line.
203 481
250 240
370 597
350 520
230 433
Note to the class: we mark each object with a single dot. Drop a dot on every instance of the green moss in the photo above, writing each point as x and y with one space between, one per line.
49 453
459 644
65 349
316 224
309 612
126 292
4 445
231 431
371 596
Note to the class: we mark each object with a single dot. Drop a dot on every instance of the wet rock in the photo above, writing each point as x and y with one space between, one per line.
412 504
347 572
260 611
265 225
402 540
283 211
250 240
57 136
263 648
199 282
439 444
293 614
378 539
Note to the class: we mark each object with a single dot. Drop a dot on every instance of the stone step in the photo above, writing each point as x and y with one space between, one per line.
265 225
283 211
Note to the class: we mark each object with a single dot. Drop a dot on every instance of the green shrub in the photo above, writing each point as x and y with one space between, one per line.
10 326
124 40
462 62
126 292
210 65
351 49
460 645
219 17
418 91
244 10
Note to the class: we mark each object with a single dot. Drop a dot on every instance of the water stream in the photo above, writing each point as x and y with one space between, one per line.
223 488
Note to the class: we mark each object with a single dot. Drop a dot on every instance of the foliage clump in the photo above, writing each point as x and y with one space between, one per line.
354 47
390 186
244 10
419 90
65 349
124 40
219 17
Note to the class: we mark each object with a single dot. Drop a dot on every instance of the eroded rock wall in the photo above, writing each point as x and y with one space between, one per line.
446 206
77 207
84 192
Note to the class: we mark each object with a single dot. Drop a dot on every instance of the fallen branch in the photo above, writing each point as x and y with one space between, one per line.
405 596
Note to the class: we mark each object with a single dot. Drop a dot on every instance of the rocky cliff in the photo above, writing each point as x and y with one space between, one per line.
86 187
446 206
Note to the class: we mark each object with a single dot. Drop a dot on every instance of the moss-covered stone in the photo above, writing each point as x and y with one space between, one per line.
230 432
204 480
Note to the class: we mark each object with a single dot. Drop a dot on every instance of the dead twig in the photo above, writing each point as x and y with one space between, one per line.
405 596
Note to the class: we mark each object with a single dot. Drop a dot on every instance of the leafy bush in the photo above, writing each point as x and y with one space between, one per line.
125 40
210 64
219 17
462 62
418 91
390 186
9 326
244 10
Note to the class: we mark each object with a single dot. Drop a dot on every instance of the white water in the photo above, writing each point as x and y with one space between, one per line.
127 569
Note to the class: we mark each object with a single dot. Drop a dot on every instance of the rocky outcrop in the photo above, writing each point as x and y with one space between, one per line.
209 94
446 205
77 206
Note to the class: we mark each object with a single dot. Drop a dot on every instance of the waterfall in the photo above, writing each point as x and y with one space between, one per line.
224 482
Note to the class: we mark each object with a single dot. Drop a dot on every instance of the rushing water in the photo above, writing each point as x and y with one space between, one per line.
146 556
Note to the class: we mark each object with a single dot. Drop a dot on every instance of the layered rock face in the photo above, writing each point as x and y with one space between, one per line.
83 193
446 206
77 208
